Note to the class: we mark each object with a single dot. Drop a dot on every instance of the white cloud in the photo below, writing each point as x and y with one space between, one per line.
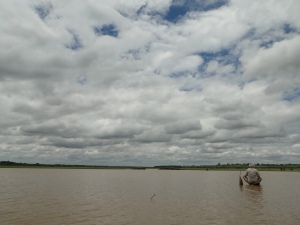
282 59
218 85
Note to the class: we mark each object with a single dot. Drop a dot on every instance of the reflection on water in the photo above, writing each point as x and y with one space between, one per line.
253 193
253 203
83 197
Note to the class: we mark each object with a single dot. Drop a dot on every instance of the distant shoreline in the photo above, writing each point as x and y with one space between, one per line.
219 167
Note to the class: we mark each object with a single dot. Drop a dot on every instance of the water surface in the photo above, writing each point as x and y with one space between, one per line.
123 197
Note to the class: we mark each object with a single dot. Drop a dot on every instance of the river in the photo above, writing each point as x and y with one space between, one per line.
145 197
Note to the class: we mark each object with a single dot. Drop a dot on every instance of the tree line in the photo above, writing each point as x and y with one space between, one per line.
219 166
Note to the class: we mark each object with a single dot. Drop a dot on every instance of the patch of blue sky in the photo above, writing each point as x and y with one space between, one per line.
204 74
292 95
107 29
271 36
202 70
76 42
179 8
208 56
82 79
189 89
249 34
223 57
182 74
175 13
266 44
43 10
141 9
288 29
252 35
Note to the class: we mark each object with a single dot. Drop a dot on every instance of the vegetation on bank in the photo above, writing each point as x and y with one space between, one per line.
9 164
237 166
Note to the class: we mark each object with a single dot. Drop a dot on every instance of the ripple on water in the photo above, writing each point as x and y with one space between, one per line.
119 197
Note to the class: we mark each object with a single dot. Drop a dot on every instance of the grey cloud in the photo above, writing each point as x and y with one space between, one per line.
80 142
183 126
295 138
212 150
223 146
22 141
72 144
236 124
230 108
198 134
233 115
54 129
150 136
119 131
254 133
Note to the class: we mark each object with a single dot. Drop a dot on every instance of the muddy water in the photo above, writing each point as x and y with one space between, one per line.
150 197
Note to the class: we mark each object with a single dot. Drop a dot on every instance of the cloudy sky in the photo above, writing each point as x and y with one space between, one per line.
150 82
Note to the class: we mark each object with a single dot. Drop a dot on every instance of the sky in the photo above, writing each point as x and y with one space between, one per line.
150 82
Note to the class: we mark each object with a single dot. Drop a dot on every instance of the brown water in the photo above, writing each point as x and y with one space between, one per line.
113 197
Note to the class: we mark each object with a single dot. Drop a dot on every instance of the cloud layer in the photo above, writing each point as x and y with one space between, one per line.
150 82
